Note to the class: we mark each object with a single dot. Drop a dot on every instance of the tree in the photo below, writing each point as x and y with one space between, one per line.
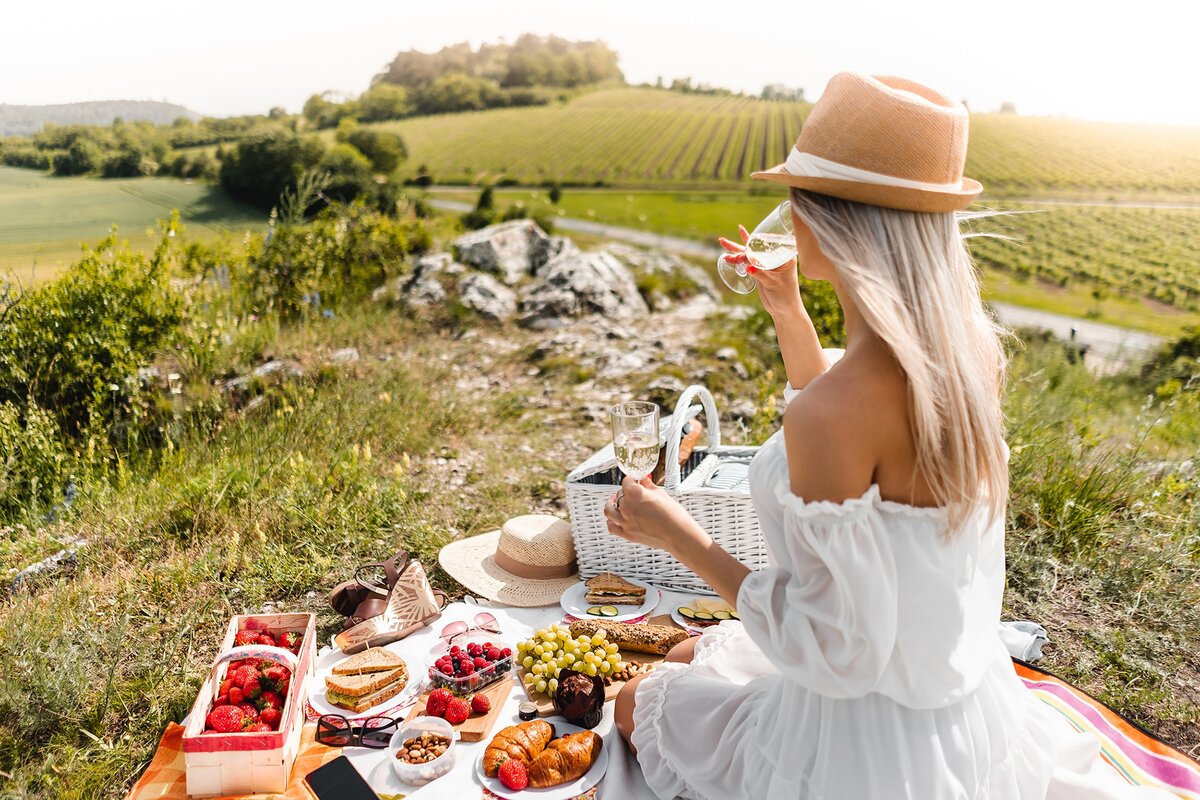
349 173
456 93
779 91
266 162
323 112
383 101
384 149
82 157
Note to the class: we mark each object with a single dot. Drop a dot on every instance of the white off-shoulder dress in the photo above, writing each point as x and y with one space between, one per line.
867 665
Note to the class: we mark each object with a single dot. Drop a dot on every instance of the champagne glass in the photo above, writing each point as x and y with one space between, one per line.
635 437
770 246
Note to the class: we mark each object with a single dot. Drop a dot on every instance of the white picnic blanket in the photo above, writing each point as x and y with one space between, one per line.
622 781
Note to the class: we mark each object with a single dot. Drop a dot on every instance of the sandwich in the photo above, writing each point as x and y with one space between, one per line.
609 589
366 680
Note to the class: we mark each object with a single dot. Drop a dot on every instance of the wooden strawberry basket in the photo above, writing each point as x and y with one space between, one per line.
247 763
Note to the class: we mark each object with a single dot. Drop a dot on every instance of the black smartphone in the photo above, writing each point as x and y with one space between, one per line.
339 780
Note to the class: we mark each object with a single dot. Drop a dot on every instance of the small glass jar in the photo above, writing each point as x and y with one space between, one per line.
527 711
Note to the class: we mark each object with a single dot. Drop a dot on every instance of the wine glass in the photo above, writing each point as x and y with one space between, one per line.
635 437
770 246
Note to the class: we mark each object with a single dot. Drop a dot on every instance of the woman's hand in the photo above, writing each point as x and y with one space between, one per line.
644 513
778 289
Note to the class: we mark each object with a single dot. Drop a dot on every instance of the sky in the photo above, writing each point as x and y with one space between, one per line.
1127 61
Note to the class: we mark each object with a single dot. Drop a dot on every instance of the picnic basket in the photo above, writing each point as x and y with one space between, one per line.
250 763
712 485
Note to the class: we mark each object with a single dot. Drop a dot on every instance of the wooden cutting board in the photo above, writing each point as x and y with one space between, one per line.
476 726
545 705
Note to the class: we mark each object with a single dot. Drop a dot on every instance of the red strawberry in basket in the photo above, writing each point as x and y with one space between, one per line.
236 696
259 727
242 638
249 711
269 700
222 700
282 686
225 719
290 640
243 674
435 705
275 674
252 687
271 717
266 639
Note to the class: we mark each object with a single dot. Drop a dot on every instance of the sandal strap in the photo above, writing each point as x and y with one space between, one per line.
390 570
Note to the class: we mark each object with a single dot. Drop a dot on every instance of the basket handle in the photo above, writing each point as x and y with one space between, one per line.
679 419
279 655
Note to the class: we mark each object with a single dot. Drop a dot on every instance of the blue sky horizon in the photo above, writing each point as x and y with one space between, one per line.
1067 59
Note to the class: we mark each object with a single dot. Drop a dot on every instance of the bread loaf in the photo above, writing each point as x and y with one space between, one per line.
657 639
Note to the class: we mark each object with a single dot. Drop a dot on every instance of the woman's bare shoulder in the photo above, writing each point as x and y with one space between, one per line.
830 434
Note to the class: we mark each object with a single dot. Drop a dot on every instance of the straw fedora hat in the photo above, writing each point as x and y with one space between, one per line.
884 141
529 562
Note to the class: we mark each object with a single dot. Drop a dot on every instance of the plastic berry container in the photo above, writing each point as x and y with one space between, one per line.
421 774
463 685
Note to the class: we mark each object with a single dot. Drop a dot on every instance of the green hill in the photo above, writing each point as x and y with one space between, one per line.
648 138
43 220
22 120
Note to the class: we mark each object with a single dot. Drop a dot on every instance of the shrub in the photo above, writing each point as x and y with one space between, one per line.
32 459
73 346
349 173
383 101
266 163
385 149
82 157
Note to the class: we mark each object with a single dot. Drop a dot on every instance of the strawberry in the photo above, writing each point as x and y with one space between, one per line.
252 687
435 705
513 775
289 640
271 717
269 700
222 700
243 638
225 684
480 704
275 674
249 711
243 674
259 727
236 696
225 719
457 710
266 639
282 686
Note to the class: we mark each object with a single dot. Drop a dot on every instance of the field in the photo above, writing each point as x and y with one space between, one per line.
646 138
43 220
1132 267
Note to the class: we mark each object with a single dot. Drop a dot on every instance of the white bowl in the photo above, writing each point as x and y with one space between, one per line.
421 774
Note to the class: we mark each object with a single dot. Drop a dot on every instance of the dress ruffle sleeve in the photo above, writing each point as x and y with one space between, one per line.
829 625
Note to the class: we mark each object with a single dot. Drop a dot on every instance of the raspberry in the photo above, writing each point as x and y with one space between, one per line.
480 704
466 669
494 655
457 710
480 662
513 775
447 669
435 705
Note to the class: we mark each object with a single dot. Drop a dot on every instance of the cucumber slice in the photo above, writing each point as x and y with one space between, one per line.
596 611
703 615
734 615
609 611
721 615
686 612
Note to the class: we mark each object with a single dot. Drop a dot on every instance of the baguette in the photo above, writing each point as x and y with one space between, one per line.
655 639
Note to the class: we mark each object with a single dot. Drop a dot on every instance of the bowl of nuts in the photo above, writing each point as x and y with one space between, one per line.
423 750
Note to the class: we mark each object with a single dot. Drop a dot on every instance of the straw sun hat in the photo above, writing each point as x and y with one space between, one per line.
529 562
883 141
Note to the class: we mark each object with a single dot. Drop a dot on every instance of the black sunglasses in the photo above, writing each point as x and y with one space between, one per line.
335 730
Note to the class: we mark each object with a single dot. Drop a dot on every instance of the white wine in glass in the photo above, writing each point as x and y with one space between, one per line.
770 246
635 437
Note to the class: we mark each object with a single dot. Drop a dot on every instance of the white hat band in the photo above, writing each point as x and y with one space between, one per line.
810 166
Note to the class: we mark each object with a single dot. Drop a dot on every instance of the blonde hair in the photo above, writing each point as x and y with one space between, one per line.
913 279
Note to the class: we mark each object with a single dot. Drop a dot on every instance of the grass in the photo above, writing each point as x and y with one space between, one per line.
44 219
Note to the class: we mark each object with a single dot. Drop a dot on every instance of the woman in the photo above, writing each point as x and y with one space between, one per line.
867 663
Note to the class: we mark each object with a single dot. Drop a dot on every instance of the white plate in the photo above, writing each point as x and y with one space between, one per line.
564 791
325 665
574 602
687 624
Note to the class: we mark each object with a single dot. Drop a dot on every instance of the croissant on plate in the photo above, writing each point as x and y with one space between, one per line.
564 759
523 742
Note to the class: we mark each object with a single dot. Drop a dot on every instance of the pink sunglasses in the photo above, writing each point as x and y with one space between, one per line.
482 622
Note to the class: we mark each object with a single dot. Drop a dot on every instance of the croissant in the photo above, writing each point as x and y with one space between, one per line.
523 742
564 759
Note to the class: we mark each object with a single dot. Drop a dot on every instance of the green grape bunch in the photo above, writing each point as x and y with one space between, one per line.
551 649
